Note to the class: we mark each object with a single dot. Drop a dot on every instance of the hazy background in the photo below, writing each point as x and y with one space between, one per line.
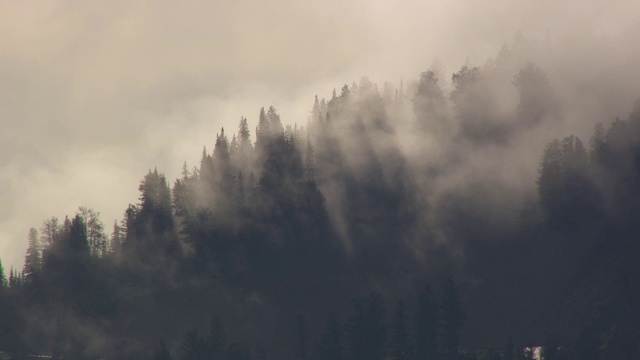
93 95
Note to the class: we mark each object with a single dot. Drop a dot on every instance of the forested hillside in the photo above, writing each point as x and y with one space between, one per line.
449 217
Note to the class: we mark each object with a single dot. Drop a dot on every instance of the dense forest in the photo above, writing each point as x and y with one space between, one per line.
395 222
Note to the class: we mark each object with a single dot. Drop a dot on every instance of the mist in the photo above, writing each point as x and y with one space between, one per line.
430 162
93 89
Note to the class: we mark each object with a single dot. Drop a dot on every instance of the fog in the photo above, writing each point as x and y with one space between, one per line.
93 95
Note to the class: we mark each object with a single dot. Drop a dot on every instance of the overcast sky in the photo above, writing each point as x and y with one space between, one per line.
93 94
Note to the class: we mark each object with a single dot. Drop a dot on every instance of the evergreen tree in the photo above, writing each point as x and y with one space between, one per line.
316 112
566 190
128 225
429 104
117 238
207 171
155 204
78 244
309 161
345 94
263 132
15 279
245 149
3 277
598 145
223 184
233 147
33 259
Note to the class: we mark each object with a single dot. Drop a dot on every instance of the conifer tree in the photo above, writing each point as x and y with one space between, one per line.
78 244
117 238
309 161
33 259
245 148
3 277
223 184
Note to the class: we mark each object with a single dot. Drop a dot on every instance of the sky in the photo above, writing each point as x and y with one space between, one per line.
94 94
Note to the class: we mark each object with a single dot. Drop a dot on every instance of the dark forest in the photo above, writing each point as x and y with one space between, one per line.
393 223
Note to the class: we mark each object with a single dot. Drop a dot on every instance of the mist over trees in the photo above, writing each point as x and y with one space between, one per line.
392 223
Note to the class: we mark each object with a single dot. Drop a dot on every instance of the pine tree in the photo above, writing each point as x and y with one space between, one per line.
275 124
309 161
598 145
11 278
245 148
345 94
3 277
429 104
78 244
117 238
128 225
223 183
263 131
316 112
155 203
15 279
33 259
